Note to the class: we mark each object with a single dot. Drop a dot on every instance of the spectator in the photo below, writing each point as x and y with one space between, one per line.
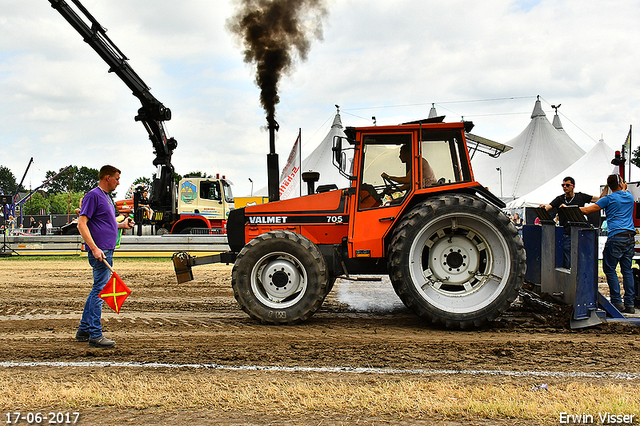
619 248
569 198
518 222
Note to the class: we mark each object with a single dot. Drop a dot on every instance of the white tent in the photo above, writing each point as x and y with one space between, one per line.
538 152
320 159
589 172
558 126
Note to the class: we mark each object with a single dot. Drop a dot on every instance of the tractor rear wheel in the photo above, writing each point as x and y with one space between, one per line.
456 260
280 277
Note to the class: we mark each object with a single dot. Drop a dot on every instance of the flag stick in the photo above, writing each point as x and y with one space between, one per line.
108 266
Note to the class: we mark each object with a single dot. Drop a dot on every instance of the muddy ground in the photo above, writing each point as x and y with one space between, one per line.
359 325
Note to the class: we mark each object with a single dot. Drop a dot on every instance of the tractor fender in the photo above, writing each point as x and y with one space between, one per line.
477 191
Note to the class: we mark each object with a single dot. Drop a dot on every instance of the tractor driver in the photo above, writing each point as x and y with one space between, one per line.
428 176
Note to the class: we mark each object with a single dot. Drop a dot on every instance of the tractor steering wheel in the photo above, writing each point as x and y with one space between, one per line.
389 186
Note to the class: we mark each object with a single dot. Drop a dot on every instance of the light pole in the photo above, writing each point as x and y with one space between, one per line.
500 170
251 186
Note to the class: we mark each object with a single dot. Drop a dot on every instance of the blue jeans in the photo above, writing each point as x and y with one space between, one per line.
92 313
566 251
619 249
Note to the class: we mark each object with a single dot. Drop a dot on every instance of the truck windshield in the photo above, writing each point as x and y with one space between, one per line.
210 190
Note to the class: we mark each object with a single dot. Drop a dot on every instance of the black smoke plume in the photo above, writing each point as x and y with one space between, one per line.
271 32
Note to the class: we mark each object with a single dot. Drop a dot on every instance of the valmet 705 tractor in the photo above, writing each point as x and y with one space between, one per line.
453 257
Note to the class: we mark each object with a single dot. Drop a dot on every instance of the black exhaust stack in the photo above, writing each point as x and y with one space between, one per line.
273 168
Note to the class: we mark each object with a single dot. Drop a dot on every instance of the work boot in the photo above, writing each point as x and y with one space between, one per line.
619 306
82 336
629 310
101 342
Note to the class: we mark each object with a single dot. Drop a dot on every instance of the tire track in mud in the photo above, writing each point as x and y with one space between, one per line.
343 369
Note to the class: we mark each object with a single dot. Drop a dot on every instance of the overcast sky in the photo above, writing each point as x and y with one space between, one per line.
482 60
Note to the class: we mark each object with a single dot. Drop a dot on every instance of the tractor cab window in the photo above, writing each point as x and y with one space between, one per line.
210 190
444 149
386 166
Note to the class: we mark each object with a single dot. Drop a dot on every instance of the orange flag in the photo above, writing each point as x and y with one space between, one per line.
115 292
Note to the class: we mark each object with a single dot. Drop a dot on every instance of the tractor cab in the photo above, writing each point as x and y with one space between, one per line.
385 159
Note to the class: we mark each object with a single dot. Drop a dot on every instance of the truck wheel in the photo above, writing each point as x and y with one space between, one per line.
280 277
456 260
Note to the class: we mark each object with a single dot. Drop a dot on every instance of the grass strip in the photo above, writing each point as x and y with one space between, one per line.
302 393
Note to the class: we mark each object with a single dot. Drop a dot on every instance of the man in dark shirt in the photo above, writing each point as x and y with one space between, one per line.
569 198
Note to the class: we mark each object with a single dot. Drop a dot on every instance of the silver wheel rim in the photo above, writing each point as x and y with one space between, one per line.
279 280
459 263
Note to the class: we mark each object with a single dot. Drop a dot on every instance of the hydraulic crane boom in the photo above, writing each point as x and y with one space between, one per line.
152 113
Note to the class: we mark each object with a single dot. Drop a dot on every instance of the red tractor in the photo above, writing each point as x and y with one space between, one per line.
413 211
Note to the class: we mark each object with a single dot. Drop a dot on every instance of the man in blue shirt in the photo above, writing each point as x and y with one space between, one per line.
620 245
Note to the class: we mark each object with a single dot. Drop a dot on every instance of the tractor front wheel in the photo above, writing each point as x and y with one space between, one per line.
280 277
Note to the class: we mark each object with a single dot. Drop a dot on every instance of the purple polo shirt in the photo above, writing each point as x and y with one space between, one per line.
101 212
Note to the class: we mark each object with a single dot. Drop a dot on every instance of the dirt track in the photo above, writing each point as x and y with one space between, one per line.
359 325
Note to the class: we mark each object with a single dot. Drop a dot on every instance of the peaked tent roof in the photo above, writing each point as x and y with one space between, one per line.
589 172
558 125
538 152
320 159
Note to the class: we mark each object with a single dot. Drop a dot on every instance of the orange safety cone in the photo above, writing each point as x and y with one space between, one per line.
115 292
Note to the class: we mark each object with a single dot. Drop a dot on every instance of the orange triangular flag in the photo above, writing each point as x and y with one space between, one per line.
115 292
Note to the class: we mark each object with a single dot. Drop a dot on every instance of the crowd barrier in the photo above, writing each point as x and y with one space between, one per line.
130 245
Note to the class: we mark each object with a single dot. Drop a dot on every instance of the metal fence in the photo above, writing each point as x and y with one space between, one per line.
130 245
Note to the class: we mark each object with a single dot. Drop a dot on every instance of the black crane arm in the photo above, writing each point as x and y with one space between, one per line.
152 114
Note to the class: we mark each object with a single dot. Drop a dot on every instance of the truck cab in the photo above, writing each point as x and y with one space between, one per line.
203 205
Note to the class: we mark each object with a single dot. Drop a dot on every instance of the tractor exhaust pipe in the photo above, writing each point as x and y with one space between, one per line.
273 169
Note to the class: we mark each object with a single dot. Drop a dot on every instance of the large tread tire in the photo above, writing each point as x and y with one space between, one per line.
456 260
280 277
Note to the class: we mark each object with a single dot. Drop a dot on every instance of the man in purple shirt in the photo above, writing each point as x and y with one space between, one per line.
99 229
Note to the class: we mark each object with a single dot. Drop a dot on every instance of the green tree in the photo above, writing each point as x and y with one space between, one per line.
75 179
36 204
635 157
8 182
64 203
198 174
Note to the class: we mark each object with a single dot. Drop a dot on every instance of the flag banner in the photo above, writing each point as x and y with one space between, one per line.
627 144
627 150
290 177
115 292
